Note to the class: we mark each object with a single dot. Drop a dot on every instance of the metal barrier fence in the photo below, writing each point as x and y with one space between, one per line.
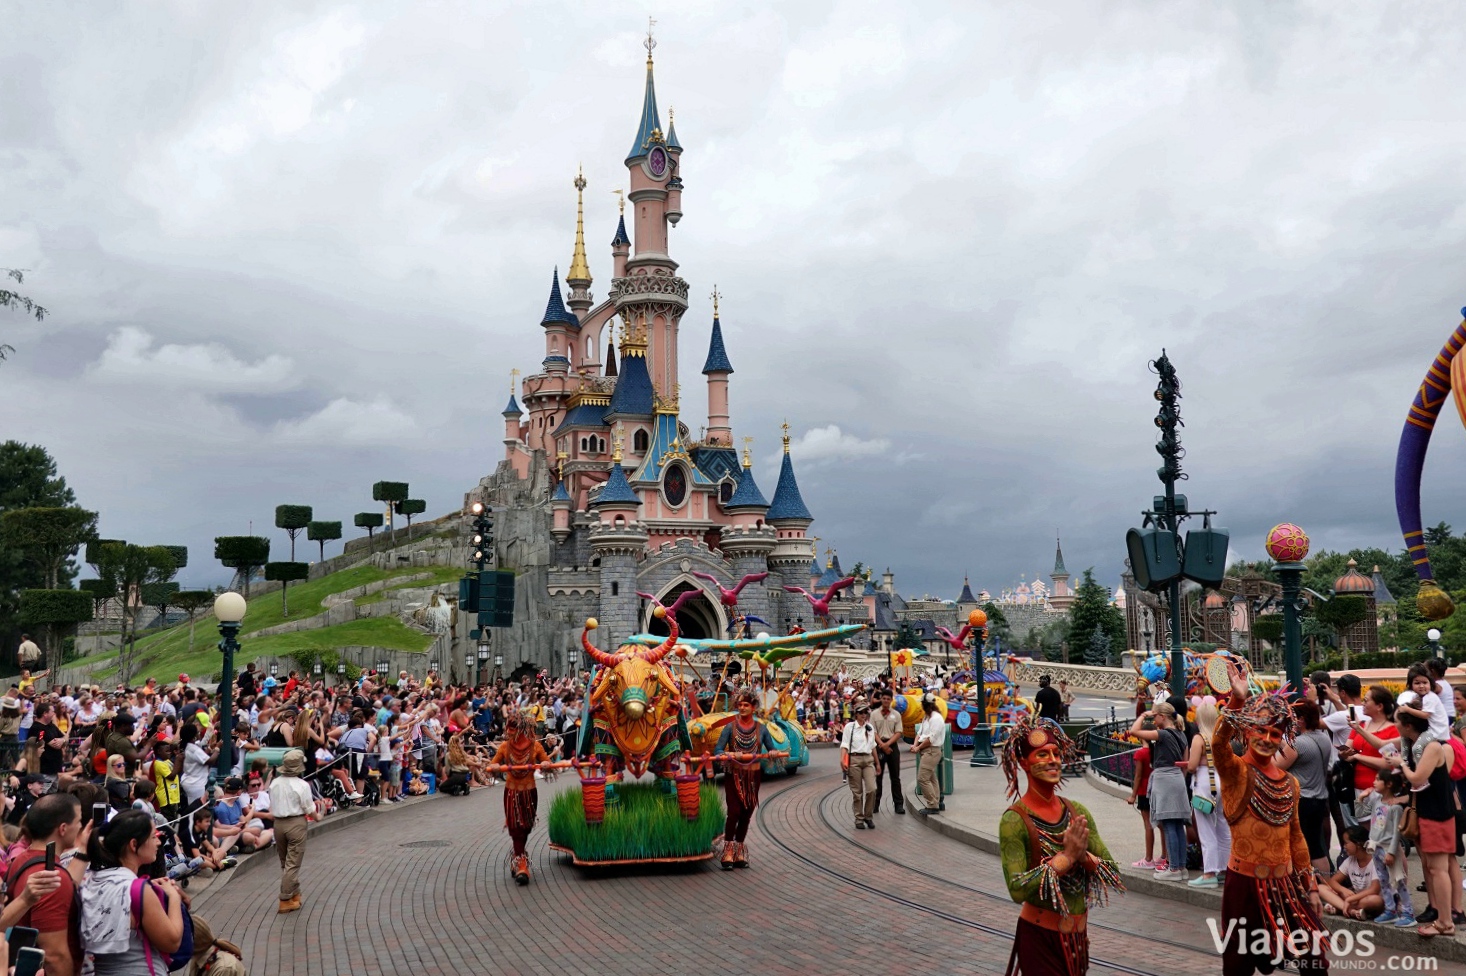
1111 754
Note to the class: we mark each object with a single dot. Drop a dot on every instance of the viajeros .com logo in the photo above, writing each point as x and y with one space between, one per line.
1351 951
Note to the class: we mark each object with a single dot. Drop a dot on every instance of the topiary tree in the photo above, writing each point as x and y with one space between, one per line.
390 492
50 535
137 568
371 521
100 590
286 573
179 554
243 554
411 507
159 596
323 532
1341 613
293 519
54 610
192 602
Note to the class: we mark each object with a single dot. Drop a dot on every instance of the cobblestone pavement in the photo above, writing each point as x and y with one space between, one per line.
427 891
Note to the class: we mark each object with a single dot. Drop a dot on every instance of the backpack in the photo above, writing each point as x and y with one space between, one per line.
184 954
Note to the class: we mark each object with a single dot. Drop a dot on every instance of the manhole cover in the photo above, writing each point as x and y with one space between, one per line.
428 843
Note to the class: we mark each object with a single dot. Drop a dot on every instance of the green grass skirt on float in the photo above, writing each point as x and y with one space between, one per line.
642 825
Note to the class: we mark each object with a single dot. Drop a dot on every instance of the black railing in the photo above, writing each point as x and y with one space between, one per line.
1111 753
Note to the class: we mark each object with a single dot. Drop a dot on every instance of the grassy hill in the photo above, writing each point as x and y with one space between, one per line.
163 654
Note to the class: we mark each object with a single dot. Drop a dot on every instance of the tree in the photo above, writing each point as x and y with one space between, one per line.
179 554
14 299
242 553
28 479
293 519
54 610
1268 627
100 590
390 492
998 627
1097 651
286 573
323 532
51 535
137 567
411 507
159 596
1091 609
192 602
371 521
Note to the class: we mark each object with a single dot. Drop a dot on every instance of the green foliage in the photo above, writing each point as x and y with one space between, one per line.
1247 567
192 601
15 300
1341 612
643 823
998 627
96 551
51 535
371 521
1268 627
292 518
179 554
100 590
322 533
1097 651
1091 609
55 607
287 572
28 479
244 553
159 595
1378 659
411 507
389 491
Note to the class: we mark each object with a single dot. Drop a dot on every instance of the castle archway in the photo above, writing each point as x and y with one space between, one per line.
700 618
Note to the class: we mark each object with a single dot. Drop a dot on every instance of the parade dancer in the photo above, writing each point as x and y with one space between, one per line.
1270 889
742 744
1054 861
516 760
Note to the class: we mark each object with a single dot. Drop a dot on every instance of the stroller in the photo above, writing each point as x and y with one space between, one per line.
372 790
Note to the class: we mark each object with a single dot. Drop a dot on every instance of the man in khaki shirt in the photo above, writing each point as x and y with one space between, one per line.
888 726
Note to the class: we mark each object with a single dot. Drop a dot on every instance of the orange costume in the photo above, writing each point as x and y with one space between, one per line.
1269 876
519 753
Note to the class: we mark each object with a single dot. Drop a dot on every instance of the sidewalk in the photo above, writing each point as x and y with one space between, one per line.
979 799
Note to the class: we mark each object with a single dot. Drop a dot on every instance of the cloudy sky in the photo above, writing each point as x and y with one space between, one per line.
293 249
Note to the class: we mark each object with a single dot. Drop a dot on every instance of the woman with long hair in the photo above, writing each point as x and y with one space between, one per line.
1169 805
1427 767
1212 831
1308 758
120 946
1370 737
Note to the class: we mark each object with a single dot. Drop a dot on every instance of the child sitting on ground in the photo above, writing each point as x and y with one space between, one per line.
203 835
1354 889
1382 808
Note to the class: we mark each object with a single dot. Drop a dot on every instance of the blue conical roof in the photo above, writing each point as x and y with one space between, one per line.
672 142
621 237
747 493
513 409
633 394
966 595
717 355
830 577
555 309
787 502
617 490
560 495
650 121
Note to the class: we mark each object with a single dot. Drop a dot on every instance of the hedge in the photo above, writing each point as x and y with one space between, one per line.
411 507
292 517
389 491
286 572
369 520
1376 659
323 531
96 546
242 551
55 606
179 554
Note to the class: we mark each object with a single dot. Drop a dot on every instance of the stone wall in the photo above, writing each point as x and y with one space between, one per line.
1081 677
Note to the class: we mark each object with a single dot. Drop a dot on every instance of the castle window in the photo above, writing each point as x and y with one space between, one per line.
640 442
615 588
582 445
674 485
725 491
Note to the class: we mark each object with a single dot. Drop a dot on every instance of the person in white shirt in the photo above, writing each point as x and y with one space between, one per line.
1420 700
1437 668
930 735
290 799
858 759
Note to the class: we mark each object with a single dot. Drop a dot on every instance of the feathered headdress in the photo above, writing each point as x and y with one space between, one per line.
1027 736
1268 710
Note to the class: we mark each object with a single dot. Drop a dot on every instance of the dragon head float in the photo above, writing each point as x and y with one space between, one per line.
634 702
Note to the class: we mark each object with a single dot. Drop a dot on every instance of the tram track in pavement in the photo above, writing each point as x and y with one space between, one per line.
787 793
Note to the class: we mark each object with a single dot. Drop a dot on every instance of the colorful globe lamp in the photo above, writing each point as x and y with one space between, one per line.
977 618
1287 543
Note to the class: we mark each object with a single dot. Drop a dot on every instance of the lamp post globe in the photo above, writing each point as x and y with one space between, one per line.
1433 635
229 607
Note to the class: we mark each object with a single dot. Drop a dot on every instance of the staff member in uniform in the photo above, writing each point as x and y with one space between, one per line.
930 735
857 758
293 807
887 723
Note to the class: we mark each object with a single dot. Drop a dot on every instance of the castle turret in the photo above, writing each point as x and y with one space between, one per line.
790 519
618 542
717 369
560 327
560 505
1060 598
620 245
579 280
512 413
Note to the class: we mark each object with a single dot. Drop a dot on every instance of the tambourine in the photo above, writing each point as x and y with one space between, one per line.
1218 675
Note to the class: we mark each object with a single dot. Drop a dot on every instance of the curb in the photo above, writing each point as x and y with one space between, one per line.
1387 937
337 821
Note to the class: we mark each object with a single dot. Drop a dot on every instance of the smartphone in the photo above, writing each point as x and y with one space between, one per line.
19 938
99 814
51 856
29 962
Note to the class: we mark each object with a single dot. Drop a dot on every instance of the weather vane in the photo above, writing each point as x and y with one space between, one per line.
650 41
621 199
716 296
580 177
513 380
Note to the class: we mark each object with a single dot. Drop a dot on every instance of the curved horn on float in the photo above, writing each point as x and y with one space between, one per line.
596 654
654 654
1446 372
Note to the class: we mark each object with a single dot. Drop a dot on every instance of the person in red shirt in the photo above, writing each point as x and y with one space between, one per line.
1140 799
291 685
1379 716
55 818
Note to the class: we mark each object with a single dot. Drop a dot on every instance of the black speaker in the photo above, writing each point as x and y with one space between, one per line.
1153 557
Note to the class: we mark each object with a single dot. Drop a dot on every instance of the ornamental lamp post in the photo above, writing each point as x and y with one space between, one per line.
1434 636
274 669
229 610
498 663
1287 544
483 660
316 668
982 736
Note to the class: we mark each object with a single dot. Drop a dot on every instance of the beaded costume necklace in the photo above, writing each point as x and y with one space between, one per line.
1270 800
745 741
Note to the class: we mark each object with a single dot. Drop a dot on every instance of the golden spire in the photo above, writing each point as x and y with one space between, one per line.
716 296
633 337
621 200
513 381
747 453
616 440
561 456
786 437
579 269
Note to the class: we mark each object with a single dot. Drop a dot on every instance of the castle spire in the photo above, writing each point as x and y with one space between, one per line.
579 273
650 129
787 503
1059 569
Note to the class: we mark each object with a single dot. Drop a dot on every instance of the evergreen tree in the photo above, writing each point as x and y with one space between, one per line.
28 479
1091 609
1097 651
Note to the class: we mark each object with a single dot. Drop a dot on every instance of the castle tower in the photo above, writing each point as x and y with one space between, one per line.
790 518
579 280
621 243
1060 598
618 541
748 542
717 369
650 291
512 413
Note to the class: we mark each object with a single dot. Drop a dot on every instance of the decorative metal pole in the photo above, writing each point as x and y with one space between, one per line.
229 609
982 735
1288 545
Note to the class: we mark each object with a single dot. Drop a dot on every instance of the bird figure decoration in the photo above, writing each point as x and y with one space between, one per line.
730 597
675 605
740 624
957 642
821 605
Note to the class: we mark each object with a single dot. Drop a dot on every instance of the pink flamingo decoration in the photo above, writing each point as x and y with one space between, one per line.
957 642
821 605
676 604
730 597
